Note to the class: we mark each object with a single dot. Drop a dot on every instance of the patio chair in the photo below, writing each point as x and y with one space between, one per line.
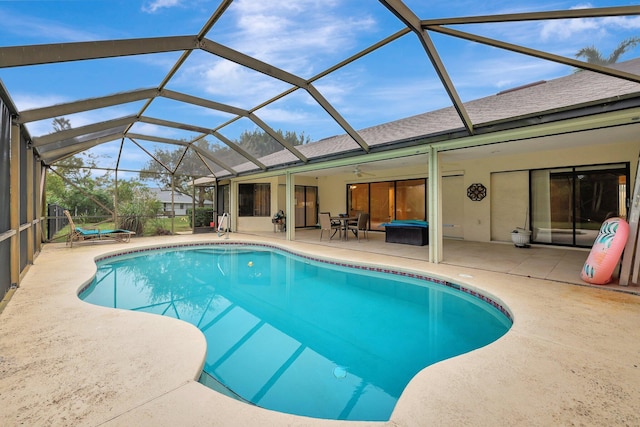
333 221
356 214
361 226
79 234
327 225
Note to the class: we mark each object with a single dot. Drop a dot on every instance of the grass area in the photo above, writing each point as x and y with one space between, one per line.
153 227
181 224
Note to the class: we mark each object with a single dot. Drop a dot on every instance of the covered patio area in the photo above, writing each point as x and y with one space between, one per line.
552 263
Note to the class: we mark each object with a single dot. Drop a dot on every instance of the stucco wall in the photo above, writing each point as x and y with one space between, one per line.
464 218
477 218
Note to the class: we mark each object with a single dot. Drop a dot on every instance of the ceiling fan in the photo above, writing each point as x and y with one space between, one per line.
359 173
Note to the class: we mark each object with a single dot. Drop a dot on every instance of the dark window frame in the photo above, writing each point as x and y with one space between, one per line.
249 205
574 171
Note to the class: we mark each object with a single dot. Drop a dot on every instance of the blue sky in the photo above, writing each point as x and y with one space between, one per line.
303 37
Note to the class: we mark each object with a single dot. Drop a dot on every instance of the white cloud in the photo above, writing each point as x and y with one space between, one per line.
338 94
27 101
491 76
155 5
626 23
294 35
151 129
302 37
565 29
39 128
279 115
24 102
231 83
28 27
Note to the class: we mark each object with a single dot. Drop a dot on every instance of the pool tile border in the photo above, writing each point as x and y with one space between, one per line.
469 291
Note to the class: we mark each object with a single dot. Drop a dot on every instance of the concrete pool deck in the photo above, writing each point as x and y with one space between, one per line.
572 356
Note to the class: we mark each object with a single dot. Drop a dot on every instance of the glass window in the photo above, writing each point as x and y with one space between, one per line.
254 199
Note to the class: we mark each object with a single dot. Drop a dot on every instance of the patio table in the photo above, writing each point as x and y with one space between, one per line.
345 223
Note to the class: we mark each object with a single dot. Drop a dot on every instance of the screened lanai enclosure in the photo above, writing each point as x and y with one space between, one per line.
266 104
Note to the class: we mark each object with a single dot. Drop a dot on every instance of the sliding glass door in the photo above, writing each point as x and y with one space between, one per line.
382 203
388 200
306 206
568 205
410 199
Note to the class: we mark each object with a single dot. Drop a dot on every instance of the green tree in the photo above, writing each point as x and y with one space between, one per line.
188 166
594 56
257 142
260 143
128 190
77 170
79 197
60 124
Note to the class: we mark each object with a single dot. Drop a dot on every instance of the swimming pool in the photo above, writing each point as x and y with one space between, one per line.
296 335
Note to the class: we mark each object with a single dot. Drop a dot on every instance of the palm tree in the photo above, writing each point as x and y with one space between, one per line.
594 56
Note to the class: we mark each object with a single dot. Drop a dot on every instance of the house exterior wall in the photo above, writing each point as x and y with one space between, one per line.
180 208
491 219
509 203
259 223
473 220
453 199
478 215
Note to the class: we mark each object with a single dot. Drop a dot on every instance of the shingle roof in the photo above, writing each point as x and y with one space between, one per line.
165 196
539 98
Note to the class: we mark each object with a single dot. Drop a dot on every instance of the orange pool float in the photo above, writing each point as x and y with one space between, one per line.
606 252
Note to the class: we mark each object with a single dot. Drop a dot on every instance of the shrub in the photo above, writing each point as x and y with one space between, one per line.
133 214
203 216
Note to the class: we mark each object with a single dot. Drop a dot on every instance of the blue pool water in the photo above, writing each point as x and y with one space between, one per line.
300 336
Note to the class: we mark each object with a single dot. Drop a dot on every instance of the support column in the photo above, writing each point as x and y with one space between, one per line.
14 221
30 205
291 206
115 200
233 205
41 179
193 208
173 207
435 207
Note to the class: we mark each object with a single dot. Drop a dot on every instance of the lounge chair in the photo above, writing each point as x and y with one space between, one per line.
79 234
